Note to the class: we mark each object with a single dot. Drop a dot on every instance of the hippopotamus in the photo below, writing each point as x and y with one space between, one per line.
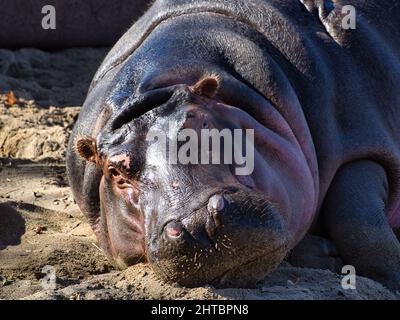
323 101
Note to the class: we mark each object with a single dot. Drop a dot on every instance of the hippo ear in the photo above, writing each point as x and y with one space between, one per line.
207 86
87 149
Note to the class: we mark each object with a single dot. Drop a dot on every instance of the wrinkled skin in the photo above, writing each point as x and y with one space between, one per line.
326 139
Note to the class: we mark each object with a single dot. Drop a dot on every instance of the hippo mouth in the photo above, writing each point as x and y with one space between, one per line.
251 272
233 241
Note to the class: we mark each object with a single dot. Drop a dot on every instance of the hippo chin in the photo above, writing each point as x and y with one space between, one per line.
326 153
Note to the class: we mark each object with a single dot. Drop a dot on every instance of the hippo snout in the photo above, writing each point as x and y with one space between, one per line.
215 205
231 233
203 230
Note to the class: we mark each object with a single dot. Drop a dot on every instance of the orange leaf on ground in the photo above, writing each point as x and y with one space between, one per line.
11 99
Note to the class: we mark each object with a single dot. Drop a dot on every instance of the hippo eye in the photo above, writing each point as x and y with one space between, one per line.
113 172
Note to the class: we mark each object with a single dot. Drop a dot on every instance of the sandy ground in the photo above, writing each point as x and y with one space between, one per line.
40 225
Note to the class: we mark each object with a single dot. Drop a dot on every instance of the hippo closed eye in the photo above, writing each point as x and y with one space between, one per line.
321 103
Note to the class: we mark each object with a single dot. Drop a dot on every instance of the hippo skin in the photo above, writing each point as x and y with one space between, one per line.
324 103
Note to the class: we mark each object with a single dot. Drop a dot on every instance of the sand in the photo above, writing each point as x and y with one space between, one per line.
40 224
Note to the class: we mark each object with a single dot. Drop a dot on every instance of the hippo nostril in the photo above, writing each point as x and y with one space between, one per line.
174 229
215 205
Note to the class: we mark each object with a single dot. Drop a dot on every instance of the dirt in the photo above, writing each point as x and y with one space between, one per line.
41 227
59 78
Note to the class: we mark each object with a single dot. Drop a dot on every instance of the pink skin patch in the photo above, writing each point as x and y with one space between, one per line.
121 159
173 230
128 191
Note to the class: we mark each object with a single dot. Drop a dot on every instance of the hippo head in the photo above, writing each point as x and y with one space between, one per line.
195 210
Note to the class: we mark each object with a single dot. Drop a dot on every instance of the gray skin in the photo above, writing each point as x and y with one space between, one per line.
324 105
